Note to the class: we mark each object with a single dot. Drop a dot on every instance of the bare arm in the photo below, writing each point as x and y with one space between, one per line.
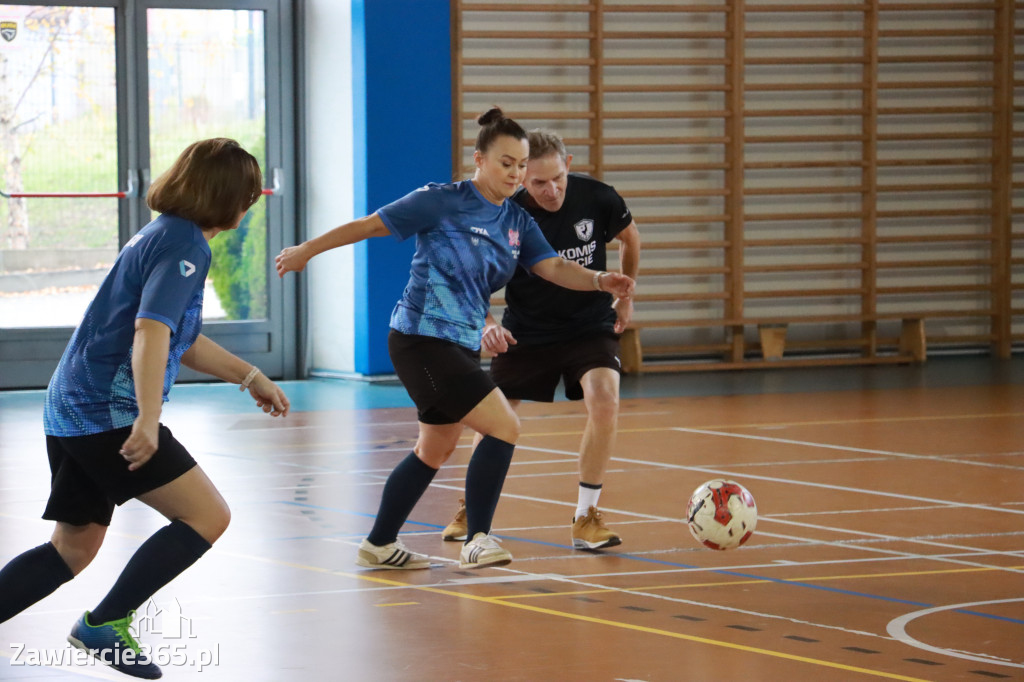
572 275
294 258
206 356
629 265
150 349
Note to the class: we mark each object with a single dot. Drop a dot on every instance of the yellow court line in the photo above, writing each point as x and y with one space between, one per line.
722 583
499 601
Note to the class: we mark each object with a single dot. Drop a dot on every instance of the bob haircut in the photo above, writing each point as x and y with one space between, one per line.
210 183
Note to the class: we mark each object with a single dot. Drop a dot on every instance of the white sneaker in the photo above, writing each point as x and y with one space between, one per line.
394 555
483 550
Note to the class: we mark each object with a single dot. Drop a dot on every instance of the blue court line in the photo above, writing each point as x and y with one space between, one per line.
778 581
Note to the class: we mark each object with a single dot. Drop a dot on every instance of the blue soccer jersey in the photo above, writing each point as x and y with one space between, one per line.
466 249
159 275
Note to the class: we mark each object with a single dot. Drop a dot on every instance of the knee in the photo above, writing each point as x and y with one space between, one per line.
509 428
77 549
212 522
433 457
603 407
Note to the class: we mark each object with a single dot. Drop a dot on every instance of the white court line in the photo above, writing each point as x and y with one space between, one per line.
897 629
827 446
826 486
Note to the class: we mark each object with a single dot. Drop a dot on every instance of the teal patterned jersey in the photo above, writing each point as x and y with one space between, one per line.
159 275
466 249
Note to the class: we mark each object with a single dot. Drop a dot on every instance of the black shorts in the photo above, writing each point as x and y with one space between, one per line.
88 475
444 379
533 372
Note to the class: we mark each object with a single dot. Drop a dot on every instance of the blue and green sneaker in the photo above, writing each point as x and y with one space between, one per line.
113 644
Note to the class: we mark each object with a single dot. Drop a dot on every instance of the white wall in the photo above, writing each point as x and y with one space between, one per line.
329 194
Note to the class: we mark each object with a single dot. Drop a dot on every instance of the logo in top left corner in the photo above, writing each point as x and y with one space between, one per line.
186 268
8 30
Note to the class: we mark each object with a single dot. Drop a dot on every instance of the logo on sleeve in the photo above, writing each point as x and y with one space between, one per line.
584 229
186 268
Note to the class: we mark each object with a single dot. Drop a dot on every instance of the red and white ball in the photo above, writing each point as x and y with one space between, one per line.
721 514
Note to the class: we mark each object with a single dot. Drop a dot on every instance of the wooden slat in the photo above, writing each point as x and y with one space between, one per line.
508 87
809 163
801 87
528 61
769 8
524 7
939 187
839 292
935 6
527 115
681 114
806 112
934 85
805 267
801 35
789 191
665 35
681 192
674 8
684 271
822 215
949 263
527 35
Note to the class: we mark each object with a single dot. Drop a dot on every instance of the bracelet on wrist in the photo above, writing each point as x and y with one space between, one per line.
597 280
249 378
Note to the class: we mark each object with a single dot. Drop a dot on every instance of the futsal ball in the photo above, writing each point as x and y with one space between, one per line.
721 514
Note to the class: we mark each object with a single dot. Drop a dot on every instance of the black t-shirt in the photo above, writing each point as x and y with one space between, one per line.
538 311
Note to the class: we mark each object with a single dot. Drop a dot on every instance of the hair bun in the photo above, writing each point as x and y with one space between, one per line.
491 116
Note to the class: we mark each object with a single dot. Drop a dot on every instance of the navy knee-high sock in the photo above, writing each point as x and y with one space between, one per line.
403 489
160 559
29 577
484 479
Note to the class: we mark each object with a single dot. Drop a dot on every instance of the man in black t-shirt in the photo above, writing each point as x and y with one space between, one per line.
549 333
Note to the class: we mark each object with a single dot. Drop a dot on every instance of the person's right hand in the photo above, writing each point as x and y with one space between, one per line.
291 259
142 442
497 339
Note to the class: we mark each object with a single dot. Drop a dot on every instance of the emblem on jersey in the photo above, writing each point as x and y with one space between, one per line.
186 268
513 237
585 229
8 29
135 240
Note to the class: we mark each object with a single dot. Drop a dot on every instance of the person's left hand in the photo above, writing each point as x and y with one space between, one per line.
496 339
624 310
269 396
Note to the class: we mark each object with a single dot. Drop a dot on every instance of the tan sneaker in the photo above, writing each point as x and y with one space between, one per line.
457 529
483 550
589 532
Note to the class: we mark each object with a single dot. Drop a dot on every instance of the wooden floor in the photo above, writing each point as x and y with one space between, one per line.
890 542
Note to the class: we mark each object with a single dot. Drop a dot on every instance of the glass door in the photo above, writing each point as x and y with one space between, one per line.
94 103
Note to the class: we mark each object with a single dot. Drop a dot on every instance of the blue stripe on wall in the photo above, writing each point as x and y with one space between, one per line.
401 73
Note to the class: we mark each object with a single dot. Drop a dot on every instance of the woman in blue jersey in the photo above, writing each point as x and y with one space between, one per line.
104 438
469 241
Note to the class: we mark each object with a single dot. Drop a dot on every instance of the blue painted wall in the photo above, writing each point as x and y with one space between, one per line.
401 73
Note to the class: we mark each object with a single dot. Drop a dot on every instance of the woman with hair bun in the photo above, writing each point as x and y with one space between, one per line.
469 241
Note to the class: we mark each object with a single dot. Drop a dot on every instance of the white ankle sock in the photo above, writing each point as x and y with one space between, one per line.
587 498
